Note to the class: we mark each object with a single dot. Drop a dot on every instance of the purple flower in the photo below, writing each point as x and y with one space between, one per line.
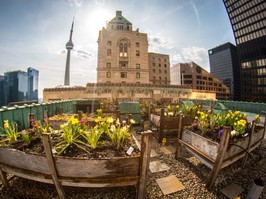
220 133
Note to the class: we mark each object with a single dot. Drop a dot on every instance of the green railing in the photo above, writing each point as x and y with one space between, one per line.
251 107
20 114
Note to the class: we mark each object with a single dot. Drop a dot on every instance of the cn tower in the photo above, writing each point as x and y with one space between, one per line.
69 47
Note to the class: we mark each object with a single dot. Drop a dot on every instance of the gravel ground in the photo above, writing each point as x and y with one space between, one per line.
189 171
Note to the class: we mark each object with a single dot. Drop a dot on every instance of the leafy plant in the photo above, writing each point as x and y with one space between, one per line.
119 133
92 136
70 134
25 137
40 127
10 132
203 121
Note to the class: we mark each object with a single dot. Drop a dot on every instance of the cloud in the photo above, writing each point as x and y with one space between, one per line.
77 53
83 54
156 42
196 54
75 3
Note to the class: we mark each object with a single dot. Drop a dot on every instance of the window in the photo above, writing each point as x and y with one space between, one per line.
123 75
137 44
137 75
108 65
123 64
165 65
153 70
153 64
123 48
137 53
165 71
109 43
108 74
160 71
159 65
137 66
108 52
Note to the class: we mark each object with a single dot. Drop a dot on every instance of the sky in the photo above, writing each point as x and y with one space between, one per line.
34 33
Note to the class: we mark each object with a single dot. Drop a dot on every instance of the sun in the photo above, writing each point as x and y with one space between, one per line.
98 18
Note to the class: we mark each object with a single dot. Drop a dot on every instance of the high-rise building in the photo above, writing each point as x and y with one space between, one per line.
33 83
224 65
159 66
18 86
191 74
122 53
2 89
248 20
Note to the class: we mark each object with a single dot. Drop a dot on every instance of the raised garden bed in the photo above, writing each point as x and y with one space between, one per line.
78 171
219 155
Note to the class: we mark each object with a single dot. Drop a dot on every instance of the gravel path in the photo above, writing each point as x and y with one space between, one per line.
189 171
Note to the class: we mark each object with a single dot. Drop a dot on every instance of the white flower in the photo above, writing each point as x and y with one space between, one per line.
233 133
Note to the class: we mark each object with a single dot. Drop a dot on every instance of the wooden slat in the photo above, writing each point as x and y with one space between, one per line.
3 178
146 142
220 157
93 168
48 151
27 161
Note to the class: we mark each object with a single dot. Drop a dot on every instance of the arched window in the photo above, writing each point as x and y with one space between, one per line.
123 48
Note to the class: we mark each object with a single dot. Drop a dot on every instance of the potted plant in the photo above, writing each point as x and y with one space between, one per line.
219 140
69 156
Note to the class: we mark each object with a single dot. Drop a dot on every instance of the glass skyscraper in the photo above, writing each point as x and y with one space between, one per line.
18 86
224 65
248 20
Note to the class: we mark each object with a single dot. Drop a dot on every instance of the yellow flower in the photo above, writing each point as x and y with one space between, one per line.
132 121
98 119
6 124
168 107
110 120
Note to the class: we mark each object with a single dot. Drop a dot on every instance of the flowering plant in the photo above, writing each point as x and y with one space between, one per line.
10 132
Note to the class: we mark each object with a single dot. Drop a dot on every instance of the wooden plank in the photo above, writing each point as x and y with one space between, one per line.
146 142
101 168
178 144
48 151
3 178
27 174
27 161
220 157
202 144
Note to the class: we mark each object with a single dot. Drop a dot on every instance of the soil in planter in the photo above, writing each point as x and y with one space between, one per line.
105 148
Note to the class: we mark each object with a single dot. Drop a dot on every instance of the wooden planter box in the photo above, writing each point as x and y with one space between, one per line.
167 126
78 172
219 155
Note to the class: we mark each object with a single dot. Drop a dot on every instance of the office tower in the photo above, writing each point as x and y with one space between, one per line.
33 83
248 20
19 86
191 74
69 47
224 65
122 53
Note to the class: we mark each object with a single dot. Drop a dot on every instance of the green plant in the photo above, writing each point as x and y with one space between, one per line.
10 132
25 137
71 132
92 136
119 133
203 121
40 127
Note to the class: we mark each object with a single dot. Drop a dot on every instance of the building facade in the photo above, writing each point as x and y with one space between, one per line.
159 67
122 53
248 20
191 74
118 92
19 86
33 83
224 65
